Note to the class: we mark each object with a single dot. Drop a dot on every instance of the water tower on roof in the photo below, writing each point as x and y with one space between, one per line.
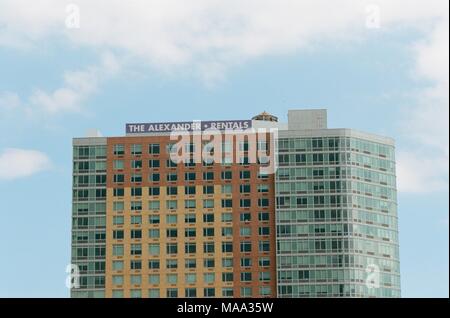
265 116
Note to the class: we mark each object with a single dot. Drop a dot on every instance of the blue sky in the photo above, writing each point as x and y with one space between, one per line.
56 82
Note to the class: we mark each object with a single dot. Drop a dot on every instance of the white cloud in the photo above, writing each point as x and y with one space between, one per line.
78 86
19 163
9 101
207 37
423 166
203 33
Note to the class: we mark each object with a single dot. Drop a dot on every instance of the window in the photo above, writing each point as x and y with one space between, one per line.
153 205
227 262
227 292
227 189
246 247
171 248
153 264
245 231
189 218
246 277
190 263
171 219
264 276
171 204
189 190
153 191
227 175
245 203
263 188
172 190
136 177
136 164
171 233
136 234
171 164
190 278
118 192
153 163
118 293
209 292
264 246
117 250
153 249
227 203
135 293
135 249
227 217
190 292
118 234
172 264
227 231
264 230
119 150
208 204
190 248
244 160
134 264
263 216
208 217
136 191
172 278
244 188
153 219
189 204
118 164
118 220
227 277
172 293
154 177
136 205
117 265
153 233
246 291
189 176
207 232
118 178
208 263
227 247
153 293
191 232
264 262
265 291
208 189
172 177
154 149
118 206
209 175
136 149
135 279
245 217
246 262
263 202
208 247
117 280
244 174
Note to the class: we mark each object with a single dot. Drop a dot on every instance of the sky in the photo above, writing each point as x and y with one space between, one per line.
66 67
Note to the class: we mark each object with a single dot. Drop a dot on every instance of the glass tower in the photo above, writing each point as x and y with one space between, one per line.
89 217
336 215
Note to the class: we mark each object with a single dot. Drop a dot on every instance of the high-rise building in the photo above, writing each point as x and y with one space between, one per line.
247 208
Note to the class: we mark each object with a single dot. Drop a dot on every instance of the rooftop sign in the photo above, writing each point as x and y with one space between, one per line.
143 128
